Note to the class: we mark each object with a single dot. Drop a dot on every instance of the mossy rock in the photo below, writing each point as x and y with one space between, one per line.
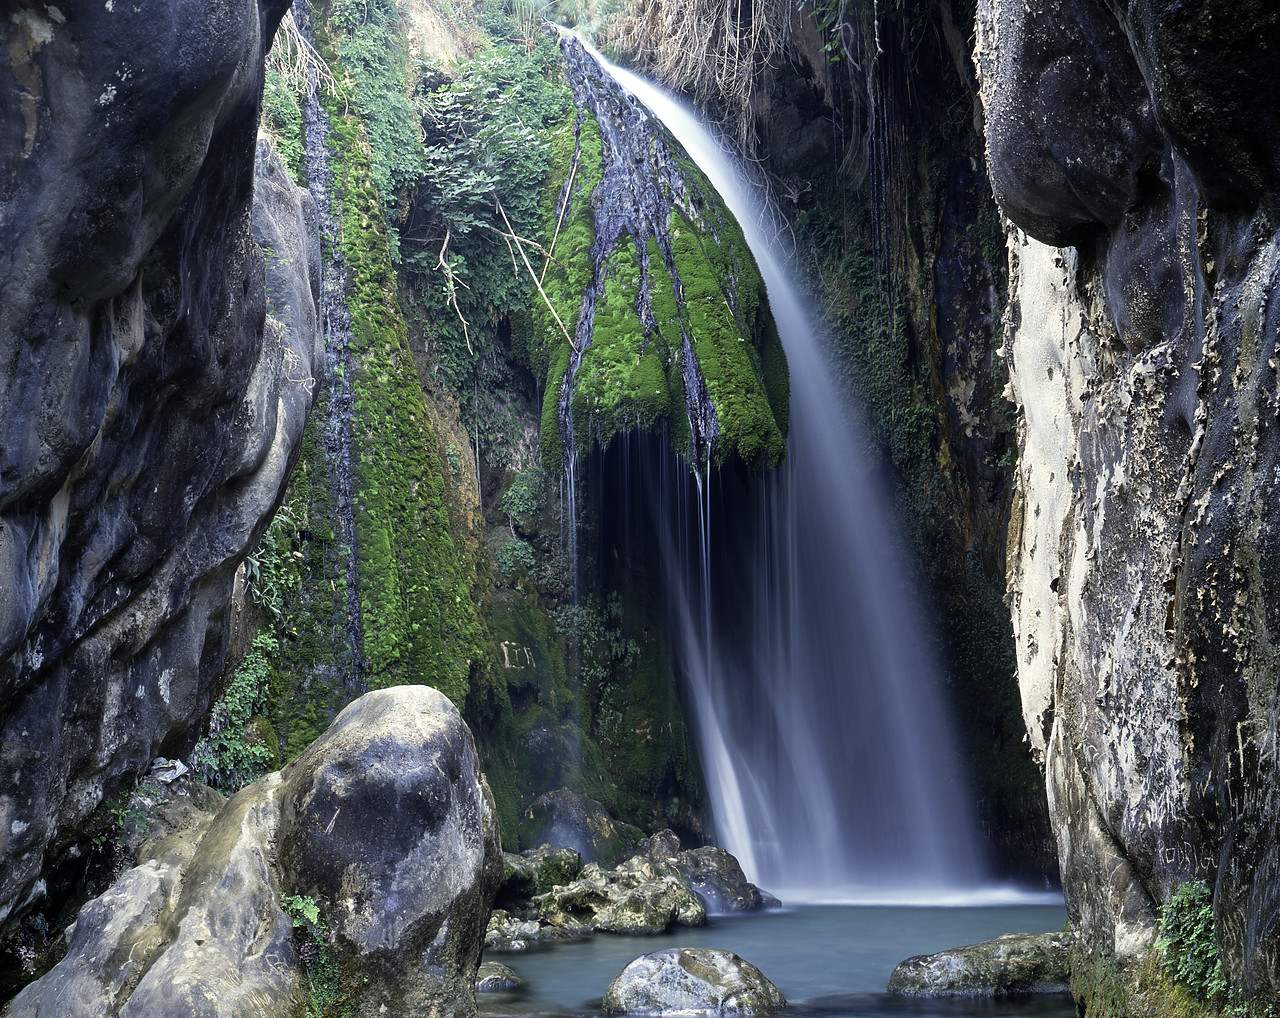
666 312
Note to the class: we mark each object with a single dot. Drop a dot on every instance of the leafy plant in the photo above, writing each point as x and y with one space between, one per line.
325 996
271 572
237 750
1188 943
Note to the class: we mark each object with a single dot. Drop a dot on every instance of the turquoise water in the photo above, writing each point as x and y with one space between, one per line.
831 960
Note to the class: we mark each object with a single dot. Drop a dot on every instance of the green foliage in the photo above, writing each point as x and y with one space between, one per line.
485 131
523 497
116 814
271 571
282 116
240 746
370 39
515 559
305 913
1188 944
325 996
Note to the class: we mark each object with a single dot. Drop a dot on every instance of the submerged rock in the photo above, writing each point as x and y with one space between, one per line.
494 977
567 819
692 980
386 822
1012 964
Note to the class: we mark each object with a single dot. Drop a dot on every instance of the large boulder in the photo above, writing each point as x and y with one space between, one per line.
1016 963
692 980
199 920
387 818
568 819
147 427
385 823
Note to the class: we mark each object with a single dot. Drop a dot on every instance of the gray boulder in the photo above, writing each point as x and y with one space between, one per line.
568 819
692 980
385 821
387 818
1015 963
198 921
494 977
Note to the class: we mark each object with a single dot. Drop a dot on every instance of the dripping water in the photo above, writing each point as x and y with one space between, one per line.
820 715
339 408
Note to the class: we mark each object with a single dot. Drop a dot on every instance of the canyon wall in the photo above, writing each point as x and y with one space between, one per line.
1133 149
155 375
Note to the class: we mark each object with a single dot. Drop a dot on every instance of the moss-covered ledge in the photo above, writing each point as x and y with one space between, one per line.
652 314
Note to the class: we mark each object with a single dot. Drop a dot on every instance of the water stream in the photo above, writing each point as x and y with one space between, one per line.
827 960
821 717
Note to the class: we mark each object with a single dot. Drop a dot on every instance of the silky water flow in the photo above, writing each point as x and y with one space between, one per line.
821 717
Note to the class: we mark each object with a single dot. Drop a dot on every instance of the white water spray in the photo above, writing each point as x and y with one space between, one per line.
832 772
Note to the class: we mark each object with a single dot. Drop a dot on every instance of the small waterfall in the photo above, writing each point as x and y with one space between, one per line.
339 407
820 712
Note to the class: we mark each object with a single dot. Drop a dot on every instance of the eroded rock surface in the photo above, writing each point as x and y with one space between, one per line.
692 980
1015 963
148 420
386 822
641 895
1145 543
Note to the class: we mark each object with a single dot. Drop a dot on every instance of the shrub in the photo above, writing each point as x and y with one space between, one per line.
1188 944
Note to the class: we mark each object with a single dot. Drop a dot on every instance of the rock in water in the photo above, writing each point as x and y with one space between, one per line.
386 821
714 874
640 896
1013 964
387 817
535 872
692 980
494 977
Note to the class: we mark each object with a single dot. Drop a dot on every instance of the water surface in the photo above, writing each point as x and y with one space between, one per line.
829 960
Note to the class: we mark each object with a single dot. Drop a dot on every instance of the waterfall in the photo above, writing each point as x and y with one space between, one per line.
820 713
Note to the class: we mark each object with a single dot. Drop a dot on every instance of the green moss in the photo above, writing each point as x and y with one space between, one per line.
630 375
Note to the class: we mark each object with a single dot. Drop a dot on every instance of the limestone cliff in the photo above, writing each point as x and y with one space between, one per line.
155 375
1143 546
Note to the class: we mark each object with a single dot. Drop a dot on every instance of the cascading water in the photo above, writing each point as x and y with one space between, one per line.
819 709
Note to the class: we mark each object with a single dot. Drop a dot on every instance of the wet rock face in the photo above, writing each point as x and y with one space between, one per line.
1145 543
1058 173
146 427
386 821
568 819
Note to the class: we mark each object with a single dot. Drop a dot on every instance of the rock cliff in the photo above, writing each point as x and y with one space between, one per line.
155 375
1143 357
